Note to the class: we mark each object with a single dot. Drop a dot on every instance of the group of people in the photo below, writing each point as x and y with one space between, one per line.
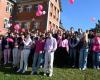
70 48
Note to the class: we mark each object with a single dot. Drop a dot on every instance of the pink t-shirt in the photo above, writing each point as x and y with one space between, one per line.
39 46
96 44
64 44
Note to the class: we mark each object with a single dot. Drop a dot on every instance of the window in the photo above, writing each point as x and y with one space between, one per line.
55 0
6 23
35 7
51 6
57 15
25 25
36 24
51 14
20 9
29 8
54 16
25 8
50 22
56 27
9 7
54 10
53 28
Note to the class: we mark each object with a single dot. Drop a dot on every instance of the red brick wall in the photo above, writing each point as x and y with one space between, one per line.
3 13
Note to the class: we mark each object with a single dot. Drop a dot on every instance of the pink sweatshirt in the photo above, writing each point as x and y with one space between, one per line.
96 44
63 43
39 46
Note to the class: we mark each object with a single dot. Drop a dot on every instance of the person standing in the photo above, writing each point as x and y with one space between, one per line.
7 42
96 52
39 49
73 42
49 48
0 49
83 51
25 54
15 55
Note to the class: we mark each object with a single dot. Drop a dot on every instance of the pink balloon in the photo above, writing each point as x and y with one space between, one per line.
38 13
17 27
93 19
23 30
71 1
40 7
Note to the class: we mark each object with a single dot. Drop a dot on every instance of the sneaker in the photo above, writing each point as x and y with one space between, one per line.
41 67
98 68
18 70
73 66
84 68
80 69
45 74
23 71
50 75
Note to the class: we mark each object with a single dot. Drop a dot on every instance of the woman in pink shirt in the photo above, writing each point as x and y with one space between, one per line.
39 49
61 55
96 51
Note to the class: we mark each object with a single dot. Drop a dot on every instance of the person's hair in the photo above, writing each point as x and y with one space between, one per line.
72 28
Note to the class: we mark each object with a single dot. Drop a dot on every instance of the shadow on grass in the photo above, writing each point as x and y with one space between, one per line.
9 70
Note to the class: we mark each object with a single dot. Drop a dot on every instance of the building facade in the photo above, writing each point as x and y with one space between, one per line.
26 15
6 7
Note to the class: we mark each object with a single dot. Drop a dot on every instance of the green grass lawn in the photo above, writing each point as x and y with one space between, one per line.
59 74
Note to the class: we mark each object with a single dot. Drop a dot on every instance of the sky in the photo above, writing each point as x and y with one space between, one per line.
79 14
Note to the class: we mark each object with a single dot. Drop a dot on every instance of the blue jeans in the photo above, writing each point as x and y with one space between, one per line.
83 58
36 61
73 55
96 59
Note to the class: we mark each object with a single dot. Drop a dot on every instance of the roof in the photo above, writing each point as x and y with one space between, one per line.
61 26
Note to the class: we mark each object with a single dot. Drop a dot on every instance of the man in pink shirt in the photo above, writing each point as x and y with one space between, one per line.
50 47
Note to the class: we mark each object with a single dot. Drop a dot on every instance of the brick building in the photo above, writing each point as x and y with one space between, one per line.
6 7
26 12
